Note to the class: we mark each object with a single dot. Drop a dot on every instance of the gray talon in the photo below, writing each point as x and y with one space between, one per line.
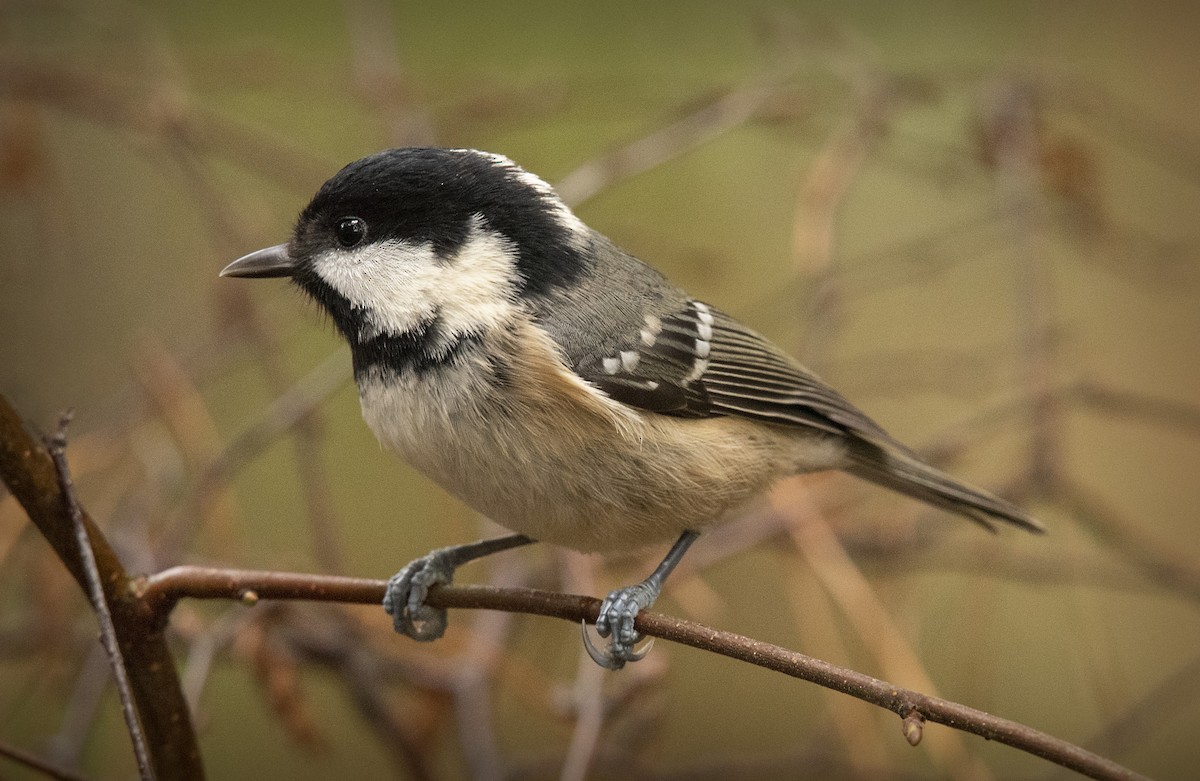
608 658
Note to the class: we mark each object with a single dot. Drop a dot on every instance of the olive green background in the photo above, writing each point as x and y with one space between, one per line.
109 245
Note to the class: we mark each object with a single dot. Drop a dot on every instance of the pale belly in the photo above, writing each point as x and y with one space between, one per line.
558 468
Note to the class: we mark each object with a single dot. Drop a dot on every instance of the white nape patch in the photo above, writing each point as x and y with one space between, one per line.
629 360
399 285
575 227
611 365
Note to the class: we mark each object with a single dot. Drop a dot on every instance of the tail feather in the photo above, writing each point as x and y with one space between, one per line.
905 474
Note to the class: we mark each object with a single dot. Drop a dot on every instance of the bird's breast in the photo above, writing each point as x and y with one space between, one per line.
539 451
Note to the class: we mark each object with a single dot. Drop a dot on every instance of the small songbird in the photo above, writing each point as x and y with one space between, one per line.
557 384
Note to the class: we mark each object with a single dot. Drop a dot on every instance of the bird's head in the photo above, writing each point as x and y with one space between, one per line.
430 245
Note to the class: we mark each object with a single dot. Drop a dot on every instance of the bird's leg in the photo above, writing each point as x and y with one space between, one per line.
621 607
404 599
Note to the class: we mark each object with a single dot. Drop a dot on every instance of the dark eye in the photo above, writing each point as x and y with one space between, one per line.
350 231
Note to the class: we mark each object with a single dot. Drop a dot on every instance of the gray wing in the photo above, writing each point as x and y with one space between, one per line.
699 362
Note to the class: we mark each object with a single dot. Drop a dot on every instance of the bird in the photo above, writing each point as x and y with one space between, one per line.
557 384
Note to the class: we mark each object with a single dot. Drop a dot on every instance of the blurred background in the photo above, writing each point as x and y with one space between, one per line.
978 221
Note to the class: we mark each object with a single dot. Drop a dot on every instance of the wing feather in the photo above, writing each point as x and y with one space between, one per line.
699 362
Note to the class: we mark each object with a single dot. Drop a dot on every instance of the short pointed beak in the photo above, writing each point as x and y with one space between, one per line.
269 262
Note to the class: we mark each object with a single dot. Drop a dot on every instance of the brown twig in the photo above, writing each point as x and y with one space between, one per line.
162 590
1136 725
850 591
29 472
288 411
338 645
105 99
1009 128
34 762
728 111
380 78
1161 561
1176 415
57 445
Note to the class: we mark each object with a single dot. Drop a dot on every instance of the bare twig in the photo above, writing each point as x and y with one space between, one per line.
379 75
818 203
163 589
338 644
283 414
587 695
101 98
728 111
1168 413
79 715
849 589
29 472
307 439
1137 723
95 590
1008 125
34 762
1164 563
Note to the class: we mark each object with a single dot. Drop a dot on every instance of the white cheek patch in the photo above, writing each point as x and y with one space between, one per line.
399 286
386 281
477 287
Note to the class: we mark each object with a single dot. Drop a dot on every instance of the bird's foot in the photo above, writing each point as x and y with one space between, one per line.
404 599
617 614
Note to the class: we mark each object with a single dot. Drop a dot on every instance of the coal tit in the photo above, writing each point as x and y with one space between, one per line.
557 384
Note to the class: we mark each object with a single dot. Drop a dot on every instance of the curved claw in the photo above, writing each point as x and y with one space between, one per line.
612 658
618 612
404 598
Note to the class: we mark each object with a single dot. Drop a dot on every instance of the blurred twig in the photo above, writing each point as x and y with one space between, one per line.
726 112
337 643
283 414
1164 563
850 591
107 100
379 76
36 763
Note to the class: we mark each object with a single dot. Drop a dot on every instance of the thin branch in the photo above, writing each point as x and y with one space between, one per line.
1167 413
380 78
28 471
1008 124
1174 694
162 590
727 112
34 762
338 645
95 590
88 693
849 589
1163 562
105 99
286 412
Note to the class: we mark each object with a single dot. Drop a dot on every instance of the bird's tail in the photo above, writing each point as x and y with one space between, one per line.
906 474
